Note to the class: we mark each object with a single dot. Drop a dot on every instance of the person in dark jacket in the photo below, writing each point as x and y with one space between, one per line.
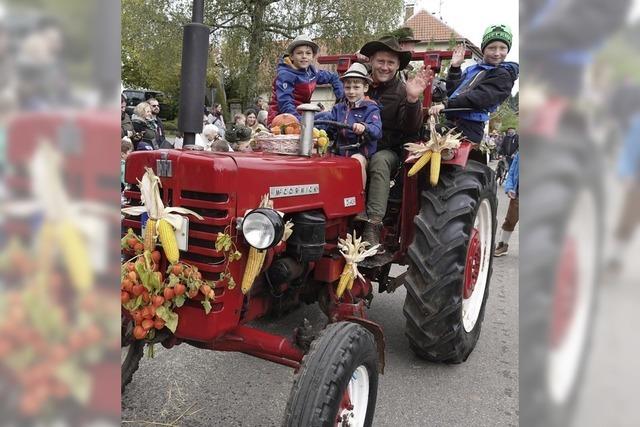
144 127
296 78
481 87
401 114
161 140
510 145
361 113
126 127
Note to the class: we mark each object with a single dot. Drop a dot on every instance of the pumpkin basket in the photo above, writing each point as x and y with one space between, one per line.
279 144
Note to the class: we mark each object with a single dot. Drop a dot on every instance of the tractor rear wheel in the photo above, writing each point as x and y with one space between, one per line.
450 263
337 384
131 351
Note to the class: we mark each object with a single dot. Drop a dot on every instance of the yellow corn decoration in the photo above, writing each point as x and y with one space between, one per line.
346 279
420 163
435 167
76 255
252 269
150 235
168 240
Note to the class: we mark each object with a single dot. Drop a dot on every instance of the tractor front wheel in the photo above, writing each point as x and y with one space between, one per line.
450 264
337 384
131 351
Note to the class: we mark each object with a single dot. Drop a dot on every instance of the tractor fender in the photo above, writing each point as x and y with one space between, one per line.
378 335
462 155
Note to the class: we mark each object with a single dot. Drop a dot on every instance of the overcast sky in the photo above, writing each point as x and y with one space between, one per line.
470 18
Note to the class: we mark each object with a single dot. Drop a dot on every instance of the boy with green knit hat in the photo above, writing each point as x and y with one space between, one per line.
481 87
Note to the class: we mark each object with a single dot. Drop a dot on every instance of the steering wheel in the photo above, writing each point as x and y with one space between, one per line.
341 125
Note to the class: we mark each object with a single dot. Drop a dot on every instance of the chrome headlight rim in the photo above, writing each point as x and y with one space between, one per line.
268 217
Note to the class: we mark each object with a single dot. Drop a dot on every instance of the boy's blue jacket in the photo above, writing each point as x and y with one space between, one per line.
482 92
293 87
513 178
365 111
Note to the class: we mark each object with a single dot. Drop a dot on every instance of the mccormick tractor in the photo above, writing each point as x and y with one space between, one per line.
443 233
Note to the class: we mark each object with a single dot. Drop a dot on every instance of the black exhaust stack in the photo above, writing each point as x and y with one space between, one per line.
195 50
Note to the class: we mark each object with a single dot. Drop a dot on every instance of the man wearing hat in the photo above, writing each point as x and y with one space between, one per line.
481 87
297 77
401 113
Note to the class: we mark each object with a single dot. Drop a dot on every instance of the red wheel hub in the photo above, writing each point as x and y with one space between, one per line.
472 265
345 404
565 293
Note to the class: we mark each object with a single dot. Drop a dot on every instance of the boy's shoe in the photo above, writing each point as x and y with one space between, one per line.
501 249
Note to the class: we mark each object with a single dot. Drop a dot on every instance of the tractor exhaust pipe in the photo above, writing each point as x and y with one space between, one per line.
308 114
195 49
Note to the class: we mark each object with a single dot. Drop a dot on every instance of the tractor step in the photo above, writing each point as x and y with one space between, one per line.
377 260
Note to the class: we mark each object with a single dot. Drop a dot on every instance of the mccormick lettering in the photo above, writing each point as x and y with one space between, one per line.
294 190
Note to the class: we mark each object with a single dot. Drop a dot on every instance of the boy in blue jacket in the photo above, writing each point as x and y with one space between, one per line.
481 87
296 78
362 113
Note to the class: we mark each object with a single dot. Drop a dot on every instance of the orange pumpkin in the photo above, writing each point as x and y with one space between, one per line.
276 130
284 119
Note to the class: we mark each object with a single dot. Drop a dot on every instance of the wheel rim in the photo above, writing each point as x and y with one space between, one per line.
477 266
353 406
573 297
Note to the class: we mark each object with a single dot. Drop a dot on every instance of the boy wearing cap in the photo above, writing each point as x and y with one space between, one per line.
361 113
481 87
296 78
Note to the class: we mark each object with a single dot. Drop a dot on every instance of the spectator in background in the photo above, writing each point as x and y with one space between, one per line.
262 117
126 147
210 139
240 119
161 140
510 145
261 104
144 137
252 122
216 118
126 127
512 188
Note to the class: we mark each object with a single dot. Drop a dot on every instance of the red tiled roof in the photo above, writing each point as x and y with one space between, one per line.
427 27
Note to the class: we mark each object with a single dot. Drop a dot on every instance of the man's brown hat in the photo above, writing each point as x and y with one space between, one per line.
388 44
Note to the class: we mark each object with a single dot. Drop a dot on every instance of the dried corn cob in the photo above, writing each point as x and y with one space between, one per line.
346 279
75 254
435 167
150 235
252 269
420 163
168 240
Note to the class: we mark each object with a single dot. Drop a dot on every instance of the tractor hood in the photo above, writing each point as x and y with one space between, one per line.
330 183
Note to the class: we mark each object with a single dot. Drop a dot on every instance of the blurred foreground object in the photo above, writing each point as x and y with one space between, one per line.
58 203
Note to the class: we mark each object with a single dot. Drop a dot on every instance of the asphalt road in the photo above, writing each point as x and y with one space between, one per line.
204 388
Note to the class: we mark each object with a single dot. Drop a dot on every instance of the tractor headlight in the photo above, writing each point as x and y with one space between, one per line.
262 228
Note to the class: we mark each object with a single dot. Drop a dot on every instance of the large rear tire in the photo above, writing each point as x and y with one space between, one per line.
450 263
338 381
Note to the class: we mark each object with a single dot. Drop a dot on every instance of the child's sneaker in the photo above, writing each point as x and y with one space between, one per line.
501 249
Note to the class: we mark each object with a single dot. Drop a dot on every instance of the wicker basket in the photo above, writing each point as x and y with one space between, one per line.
280 144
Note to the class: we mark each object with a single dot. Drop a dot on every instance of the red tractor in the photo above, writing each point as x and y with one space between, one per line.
443 233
